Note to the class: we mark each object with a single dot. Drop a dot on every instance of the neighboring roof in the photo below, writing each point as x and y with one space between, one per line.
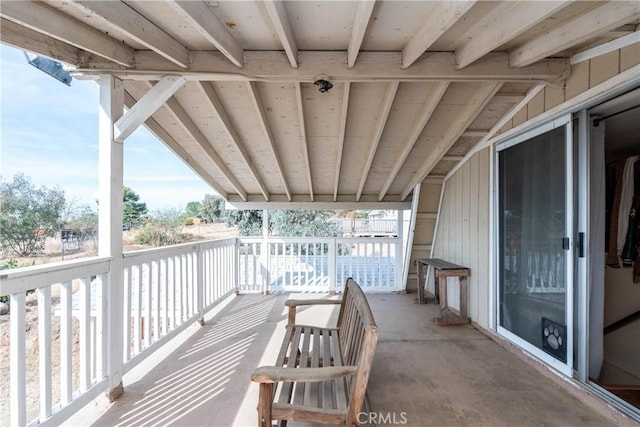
415 84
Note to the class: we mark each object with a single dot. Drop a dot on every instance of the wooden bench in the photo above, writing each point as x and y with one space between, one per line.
444 269
321 374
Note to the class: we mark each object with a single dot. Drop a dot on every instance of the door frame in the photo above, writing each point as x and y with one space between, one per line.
566 122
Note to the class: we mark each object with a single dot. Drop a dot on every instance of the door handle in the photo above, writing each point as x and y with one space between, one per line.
566 243
581 245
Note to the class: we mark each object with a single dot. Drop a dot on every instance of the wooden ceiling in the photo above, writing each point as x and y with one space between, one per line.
416 84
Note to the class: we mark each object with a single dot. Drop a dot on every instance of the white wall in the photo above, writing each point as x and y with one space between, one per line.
463 230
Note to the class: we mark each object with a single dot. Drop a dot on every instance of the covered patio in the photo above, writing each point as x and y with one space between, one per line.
349 105
423 374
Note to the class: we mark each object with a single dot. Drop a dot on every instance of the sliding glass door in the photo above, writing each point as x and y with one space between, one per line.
535 252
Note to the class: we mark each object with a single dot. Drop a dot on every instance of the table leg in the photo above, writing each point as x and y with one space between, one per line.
419 267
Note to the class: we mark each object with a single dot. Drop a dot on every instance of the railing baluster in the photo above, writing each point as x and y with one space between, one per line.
101 323
17 370
85 337
136 290
155 274
146 290
172 292
128 286
66 387
44 348
164 280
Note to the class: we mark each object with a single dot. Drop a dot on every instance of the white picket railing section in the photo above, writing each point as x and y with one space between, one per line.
165 290
299 264
74 376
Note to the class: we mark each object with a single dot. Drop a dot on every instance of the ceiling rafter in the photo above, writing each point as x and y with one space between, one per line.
146 106
218 107
385 109
119 15
438 21
500 28
476 103
53 23
363 15
475 133
205 21
155 128
259 107
341 136
278 15
600 20
417 128
185 121
25 38
371 66
303 139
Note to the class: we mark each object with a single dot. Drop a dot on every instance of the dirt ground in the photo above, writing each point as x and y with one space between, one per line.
53 253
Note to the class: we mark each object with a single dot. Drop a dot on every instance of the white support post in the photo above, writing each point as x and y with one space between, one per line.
399 252
264 252
110 224
200 259
333 273
17 372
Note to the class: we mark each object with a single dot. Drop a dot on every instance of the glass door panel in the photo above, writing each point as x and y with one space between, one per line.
532 244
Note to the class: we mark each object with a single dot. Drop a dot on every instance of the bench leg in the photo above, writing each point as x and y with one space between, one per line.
264 404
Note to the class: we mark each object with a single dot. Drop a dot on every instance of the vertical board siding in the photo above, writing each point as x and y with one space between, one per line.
584 76
463 235
463 228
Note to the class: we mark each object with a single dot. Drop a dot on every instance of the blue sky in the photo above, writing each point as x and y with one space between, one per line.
49 132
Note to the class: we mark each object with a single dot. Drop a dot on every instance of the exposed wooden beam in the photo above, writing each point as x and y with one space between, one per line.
475 133
442 17
508 98
363 15
498 29
475 104
303 139
603 18
385 109
26 39
499 124
146 106
205 21
185 121
218 107
118 15
159 132
322 201
264 122
452 158
616 44
278 14
427 215
417 128
371 66
341 136
55 24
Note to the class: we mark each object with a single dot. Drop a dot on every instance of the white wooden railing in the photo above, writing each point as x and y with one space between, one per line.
165 290
74 376
300 264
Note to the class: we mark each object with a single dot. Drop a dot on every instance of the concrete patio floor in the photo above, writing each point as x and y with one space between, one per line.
423 375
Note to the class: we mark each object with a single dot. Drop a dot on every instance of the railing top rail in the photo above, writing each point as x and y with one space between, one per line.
25 278
275 239
176 249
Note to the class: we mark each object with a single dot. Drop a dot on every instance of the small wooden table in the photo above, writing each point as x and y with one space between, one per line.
444 269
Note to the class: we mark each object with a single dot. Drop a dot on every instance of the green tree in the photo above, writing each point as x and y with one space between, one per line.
133 209
28 214
301 223
211 208
248 222
193 209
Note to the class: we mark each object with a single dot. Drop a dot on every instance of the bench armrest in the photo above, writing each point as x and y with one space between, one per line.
272 374
293 303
